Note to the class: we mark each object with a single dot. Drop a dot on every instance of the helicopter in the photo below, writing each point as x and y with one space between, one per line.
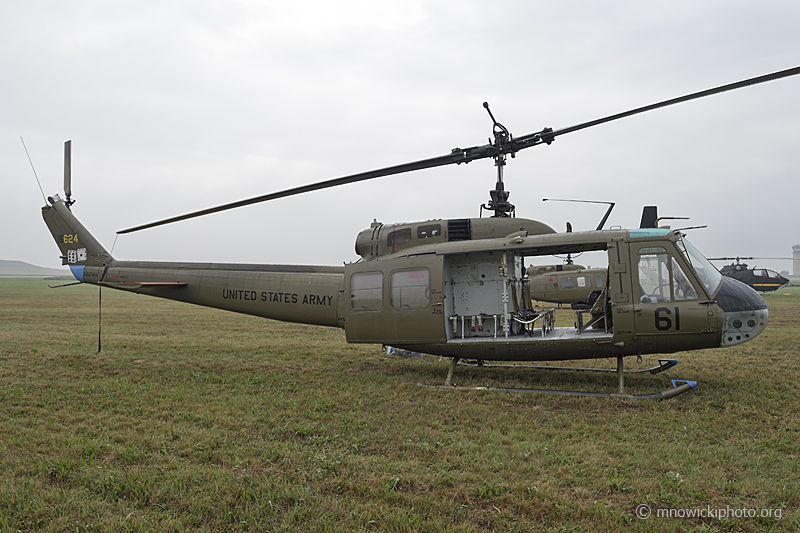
565 284
456 288
761 279
569 283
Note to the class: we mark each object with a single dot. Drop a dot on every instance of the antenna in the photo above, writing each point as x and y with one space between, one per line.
605 217
100 318
68 172
35 175
659 219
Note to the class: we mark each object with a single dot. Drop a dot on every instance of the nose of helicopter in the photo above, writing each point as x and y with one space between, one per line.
744 312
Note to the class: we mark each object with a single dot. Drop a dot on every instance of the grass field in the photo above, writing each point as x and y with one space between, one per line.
194 419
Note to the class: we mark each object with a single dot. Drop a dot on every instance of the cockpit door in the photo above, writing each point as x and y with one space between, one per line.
667 300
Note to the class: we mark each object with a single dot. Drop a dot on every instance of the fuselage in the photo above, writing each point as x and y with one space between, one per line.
467 296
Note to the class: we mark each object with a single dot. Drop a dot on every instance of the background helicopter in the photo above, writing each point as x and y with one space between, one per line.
456 287
569 283
565 284
573 284
761 279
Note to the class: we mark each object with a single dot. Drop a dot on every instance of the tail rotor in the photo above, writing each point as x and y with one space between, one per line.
68 173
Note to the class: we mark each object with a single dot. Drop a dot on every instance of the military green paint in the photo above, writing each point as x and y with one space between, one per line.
322 295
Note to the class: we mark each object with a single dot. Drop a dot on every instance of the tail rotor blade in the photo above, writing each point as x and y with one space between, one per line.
68 171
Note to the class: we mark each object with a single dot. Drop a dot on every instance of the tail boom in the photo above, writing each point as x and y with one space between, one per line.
292 293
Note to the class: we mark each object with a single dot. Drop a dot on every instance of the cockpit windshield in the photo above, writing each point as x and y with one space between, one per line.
708 274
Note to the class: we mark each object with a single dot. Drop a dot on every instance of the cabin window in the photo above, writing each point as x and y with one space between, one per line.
681 286
366 291
598 281
584 281
567 283
429 230
410 288
399 236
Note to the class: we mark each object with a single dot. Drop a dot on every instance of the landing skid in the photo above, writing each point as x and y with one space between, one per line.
679 386
686 386
663 364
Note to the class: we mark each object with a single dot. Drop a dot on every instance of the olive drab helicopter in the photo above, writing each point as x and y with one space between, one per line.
457 288
568 283
761 279
565 284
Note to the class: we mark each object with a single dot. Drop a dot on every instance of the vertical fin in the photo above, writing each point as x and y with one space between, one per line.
78 247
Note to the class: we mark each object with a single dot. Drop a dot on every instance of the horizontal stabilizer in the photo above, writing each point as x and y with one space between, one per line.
140 284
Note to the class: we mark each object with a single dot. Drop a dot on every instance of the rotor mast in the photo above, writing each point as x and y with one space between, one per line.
503 144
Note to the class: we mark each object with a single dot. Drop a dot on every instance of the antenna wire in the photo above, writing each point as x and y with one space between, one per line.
34 170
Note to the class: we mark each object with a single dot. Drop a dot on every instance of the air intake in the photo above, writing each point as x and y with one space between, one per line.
459 230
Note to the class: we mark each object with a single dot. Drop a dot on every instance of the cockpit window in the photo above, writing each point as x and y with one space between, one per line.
681 286
661 278
654 283
708 274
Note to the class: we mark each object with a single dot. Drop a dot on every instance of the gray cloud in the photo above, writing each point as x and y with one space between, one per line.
177 106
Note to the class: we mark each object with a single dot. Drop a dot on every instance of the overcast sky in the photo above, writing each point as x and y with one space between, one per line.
175 106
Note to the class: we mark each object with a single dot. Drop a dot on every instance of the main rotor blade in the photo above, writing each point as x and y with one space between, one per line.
465 155
454 157
749 258
694 96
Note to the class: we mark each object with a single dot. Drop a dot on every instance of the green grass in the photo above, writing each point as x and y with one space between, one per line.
195 419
